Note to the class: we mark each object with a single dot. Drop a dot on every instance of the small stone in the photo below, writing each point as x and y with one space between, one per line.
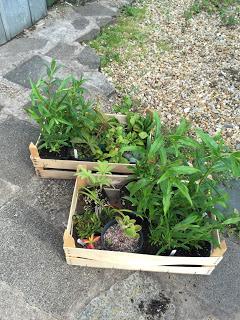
89 57
62 51
91 34
99 81
238 146
105 21
228 125
186 110
80 23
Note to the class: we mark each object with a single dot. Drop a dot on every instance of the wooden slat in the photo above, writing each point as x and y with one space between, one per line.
57 174
135 259
73 164
79 183
68 240
169 269
219 251
34 153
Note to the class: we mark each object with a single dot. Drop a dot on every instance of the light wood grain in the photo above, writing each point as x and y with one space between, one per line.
168 269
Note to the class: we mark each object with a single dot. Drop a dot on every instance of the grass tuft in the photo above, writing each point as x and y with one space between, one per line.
125 31
229 10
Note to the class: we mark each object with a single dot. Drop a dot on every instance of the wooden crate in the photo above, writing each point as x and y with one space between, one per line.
134 261
65 169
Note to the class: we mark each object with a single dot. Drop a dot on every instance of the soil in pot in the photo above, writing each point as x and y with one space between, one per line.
114 239
66 153
63 154
204 251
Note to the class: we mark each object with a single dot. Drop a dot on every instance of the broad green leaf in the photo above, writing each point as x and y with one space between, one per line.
135 186
165 176
233 220
235 164
143 135
184 170
207 139
155 147
188 142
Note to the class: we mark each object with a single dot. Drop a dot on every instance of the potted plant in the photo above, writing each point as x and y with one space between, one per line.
97 207
175 187
73 131
175 195
122 234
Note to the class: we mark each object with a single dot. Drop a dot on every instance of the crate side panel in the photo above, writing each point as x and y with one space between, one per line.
169 269
135 259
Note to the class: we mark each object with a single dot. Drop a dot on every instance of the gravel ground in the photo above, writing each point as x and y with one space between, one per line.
189 70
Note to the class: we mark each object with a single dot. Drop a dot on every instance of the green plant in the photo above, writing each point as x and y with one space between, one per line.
188 233
87 224
176 182
128 226
98 179
60 109
126 31
234 229
227 9
124 106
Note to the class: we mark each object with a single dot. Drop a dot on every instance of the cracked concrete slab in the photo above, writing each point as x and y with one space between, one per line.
14 307
7 191
95 9
63 51
32 69
15 163
153 296
34 264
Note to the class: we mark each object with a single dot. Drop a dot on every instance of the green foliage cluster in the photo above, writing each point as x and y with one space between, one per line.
67 119
87 224
113 37
176 186
128 226
97 210
59 107
229 10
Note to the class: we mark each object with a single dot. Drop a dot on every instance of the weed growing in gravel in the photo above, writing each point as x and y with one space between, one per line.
228 10
126 31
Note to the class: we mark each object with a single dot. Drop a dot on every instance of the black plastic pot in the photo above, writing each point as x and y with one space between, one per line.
113 222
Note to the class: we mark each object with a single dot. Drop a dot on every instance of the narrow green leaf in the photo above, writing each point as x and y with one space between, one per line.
184 170
183 189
